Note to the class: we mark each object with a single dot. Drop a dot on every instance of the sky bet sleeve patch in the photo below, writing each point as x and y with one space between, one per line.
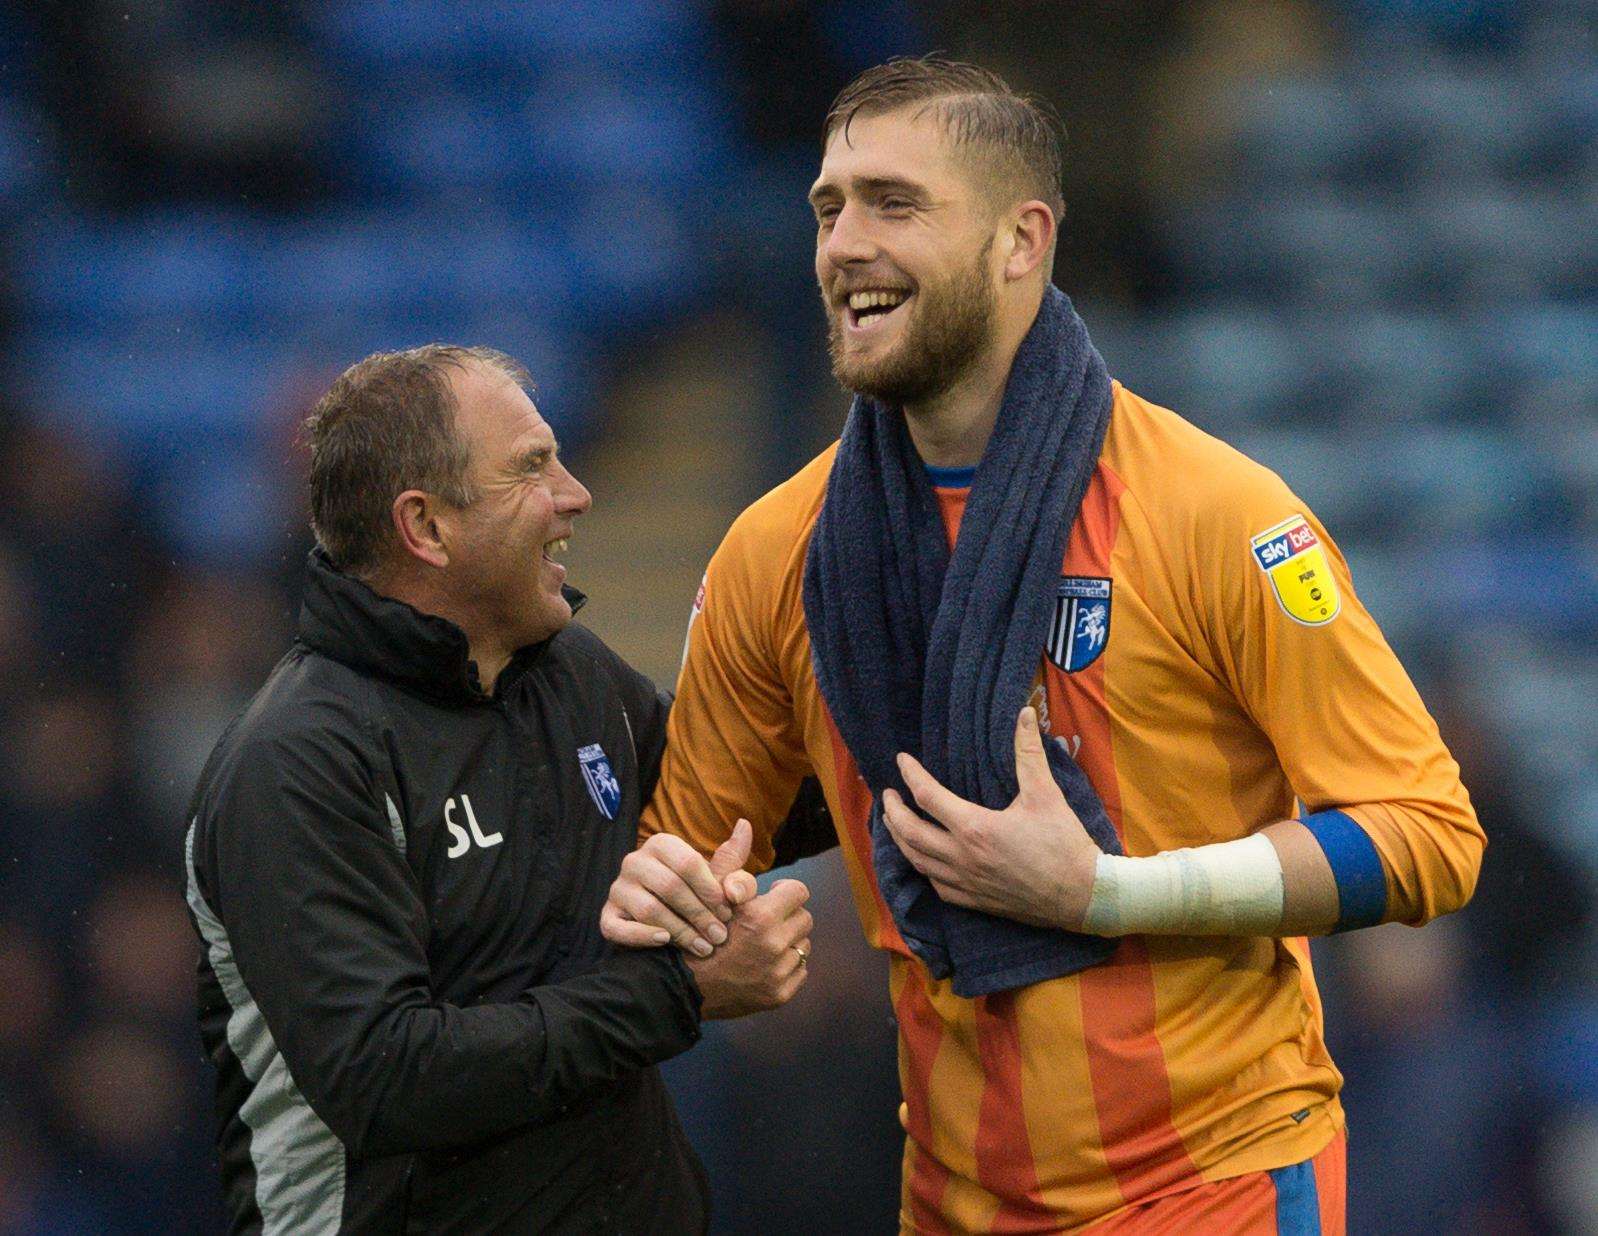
1292 558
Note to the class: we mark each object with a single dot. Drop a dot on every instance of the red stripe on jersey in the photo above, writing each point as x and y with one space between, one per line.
1005 1166
1239 1205
1131 1087
951 506
1331 1185
854 800
1003 1151
920 1034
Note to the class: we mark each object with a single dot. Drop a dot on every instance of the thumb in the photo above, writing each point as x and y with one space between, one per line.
739 887
788 895
733 853
1034 778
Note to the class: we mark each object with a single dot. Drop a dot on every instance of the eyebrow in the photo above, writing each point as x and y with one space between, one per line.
535 457
869 184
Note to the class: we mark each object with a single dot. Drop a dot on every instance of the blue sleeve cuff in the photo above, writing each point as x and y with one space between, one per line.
1356 866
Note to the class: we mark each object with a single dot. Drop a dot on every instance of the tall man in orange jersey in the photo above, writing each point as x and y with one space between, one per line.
1268 768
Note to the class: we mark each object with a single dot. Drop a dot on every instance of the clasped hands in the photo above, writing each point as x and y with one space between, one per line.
747 951
1032 862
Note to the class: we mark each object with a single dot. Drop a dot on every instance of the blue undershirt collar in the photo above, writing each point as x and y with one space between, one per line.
951 478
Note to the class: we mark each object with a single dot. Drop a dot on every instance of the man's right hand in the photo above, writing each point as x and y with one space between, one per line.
747 953
763 962
667 892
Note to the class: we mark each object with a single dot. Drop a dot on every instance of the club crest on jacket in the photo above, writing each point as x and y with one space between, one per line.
603 787
1080 626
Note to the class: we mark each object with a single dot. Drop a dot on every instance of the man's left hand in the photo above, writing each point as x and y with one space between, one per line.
1033 861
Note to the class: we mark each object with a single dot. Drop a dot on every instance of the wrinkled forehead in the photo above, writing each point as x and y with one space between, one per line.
909 143
494 415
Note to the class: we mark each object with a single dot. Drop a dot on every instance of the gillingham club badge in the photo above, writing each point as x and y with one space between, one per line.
1292 557
1081 624
603 787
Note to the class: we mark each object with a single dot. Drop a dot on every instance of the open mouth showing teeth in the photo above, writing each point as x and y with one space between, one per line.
554 548
871 306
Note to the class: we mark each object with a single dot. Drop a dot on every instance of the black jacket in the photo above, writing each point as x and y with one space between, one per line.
397 881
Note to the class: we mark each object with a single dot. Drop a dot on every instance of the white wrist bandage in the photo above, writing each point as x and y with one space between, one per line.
1233 888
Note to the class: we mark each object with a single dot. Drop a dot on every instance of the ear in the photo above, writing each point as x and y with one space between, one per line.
1030 234
415 515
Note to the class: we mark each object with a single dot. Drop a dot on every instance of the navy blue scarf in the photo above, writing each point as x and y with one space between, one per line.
922 651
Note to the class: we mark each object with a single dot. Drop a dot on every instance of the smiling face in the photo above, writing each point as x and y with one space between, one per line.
904 258
503 545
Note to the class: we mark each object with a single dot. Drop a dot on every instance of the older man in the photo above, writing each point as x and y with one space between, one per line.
399 850
1095 907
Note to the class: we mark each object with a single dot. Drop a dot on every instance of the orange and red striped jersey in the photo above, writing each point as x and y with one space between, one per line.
1209 664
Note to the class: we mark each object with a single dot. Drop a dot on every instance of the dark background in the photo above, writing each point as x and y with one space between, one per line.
1357 238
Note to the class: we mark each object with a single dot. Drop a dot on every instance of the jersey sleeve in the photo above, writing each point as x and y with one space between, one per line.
733 746
1292 640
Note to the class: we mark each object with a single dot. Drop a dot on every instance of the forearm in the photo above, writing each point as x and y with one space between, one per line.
428 1077
1309 887
1276 882
432 1076
634 1011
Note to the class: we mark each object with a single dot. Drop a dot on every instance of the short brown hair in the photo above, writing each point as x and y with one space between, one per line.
386 425
1019 135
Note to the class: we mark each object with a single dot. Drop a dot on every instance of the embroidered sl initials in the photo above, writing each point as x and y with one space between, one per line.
460 841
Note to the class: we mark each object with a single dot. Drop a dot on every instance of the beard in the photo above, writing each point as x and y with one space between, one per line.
950 326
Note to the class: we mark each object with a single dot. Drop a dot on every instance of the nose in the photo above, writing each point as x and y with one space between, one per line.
572 496
849 240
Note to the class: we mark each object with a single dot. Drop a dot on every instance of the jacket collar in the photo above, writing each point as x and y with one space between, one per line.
345 619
